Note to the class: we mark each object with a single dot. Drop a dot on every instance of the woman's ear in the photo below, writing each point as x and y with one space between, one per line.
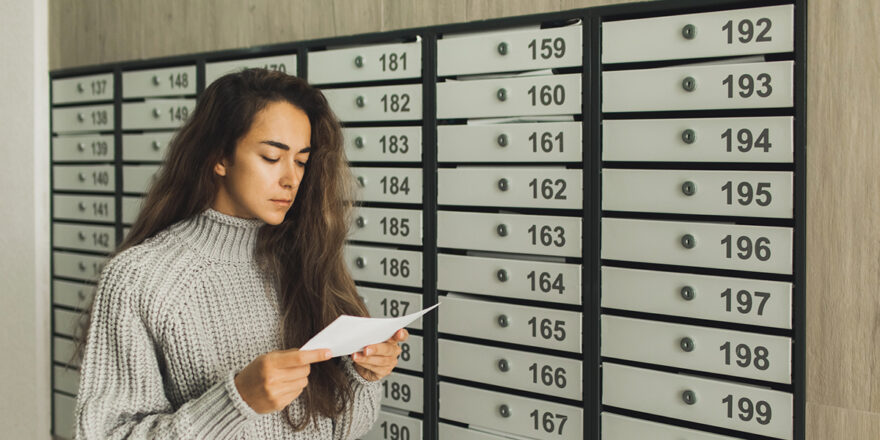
220 168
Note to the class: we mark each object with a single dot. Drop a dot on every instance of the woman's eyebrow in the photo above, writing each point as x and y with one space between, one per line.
276 144
284 146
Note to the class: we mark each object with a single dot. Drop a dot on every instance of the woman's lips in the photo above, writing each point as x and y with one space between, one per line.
282 202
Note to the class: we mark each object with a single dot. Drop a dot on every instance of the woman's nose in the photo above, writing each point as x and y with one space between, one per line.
292 176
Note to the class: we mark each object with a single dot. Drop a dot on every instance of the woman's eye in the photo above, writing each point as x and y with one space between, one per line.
268 159
301 163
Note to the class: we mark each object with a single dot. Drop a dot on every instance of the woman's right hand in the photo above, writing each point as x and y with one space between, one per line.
271 381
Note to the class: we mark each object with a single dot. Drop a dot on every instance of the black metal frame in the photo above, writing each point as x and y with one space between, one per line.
592 165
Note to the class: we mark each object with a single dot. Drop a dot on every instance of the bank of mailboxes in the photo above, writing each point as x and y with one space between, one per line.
695 234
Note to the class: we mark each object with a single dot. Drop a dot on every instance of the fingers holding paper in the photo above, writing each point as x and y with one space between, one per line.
376 361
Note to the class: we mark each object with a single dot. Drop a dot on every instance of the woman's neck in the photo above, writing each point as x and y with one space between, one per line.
220 236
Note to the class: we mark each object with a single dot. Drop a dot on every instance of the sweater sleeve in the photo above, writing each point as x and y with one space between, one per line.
364 412
121 393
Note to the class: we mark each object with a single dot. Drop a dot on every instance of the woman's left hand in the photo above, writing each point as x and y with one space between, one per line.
376 361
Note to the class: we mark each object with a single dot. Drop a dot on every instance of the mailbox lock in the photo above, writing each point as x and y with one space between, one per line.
502 184
360 262
504 410
502 140
361 221
689 84
688 136
501 94
689 397
359 61
502 48
688 293
502 275
503 365
689 31
502 230
689 188
687 344
503 321
688 241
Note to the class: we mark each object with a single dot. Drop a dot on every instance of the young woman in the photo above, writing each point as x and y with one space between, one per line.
234 261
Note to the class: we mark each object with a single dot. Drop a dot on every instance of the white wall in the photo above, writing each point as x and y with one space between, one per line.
24 220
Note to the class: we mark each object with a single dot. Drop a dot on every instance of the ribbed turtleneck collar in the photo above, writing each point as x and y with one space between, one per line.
220 236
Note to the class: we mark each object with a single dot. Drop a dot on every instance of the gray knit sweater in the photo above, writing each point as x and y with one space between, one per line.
175 318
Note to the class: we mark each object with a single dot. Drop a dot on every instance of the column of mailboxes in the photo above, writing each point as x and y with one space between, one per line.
376 92
83 219
696 233
155 103
510 205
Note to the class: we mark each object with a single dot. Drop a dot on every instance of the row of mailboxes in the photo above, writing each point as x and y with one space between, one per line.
695 239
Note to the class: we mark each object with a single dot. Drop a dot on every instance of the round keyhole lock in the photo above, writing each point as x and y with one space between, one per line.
502 140
157 145
686 344
503 321
81 236
501 94
81 147
82 177
689 31
688 241
80 88
360 101
81 206
689 397
361 222
502 275
689 188
504 410
502 184
688 136
361 181
157 113
156 80
359 61
502 48
82 266
503 365
80 117
689 84
359 142
688 293
360 262
502 230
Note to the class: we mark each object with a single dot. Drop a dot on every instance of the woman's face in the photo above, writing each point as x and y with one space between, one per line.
262 181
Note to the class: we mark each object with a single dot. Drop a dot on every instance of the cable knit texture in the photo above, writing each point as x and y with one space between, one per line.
175 318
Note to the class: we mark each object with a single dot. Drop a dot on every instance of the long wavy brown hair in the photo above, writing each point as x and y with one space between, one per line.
304 254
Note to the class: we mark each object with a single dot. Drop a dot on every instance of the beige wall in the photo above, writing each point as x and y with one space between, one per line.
843 108
24 227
